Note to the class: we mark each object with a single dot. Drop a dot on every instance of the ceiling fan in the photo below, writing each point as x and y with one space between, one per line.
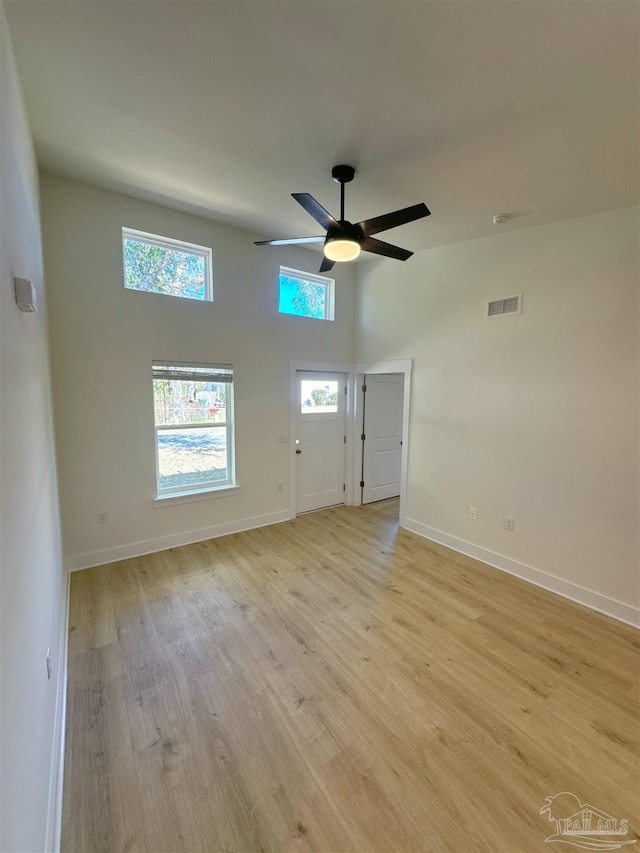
344 240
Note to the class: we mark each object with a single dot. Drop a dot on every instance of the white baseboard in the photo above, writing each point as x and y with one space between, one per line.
56 775
581 595
174 540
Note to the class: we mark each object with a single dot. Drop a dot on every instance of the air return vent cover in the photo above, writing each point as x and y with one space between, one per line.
500 307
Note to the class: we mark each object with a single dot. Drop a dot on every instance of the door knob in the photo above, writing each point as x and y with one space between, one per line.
298 451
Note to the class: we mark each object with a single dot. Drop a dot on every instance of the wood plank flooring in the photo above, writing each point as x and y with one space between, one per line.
336 684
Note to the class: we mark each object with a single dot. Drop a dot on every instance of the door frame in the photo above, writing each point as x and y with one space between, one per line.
354 375
404 366
350 497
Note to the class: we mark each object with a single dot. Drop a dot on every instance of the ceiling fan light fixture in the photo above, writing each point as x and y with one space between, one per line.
341 249
345 240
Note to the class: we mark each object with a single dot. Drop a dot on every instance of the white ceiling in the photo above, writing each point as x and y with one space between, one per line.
225 107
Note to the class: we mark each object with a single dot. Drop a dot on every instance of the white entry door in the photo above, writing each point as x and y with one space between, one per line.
382 445
320 440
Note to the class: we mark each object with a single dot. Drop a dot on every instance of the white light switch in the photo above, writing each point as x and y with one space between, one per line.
25 295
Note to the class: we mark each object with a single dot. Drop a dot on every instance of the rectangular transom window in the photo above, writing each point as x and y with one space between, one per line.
161 265
193 406
306 295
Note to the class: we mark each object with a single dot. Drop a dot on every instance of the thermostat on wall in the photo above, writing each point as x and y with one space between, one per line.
25 295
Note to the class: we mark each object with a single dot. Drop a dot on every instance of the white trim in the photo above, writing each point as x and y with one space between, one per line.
567 589
321 367
193 425
173 540
400 365
56 775
171 498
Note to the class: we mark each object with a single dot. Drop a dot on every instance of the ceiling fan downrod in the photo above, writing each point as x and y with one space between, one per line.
342 175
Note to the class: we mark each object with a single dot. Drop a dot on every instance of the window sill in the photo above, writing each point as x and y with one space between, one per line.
173 498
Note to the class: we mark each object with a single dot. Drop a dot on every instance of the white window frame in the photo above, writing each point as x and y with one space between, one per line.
214 375
329 289
169 243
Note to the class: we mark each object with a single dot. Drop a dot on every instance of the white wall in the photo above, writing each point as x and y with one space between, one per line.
105 337
33 590
532 416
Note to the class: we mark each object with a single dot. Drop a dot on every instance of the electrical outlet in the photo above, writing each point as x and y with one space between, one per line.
280 487
473 513
509 523
283 438
49 663
103 516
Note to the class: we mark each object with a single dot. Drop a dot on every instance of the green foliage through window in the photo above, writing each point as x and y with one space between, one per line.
157 266
322 398
305 295
318 395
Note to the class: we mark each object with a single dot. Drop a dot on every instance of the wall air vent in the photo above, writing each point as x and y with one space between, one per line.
500 307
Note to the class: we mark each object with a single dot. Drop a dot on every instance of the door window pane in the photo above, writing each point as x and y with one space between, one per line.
318 395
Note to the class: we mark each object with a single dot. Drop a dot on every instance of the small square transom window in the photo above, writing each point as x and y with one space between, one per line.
306 295
161 265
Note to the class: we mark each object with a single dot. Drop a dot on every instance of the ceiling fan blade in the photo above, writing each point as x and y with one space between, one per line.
392 220
290 242
370 244
322 216
326 265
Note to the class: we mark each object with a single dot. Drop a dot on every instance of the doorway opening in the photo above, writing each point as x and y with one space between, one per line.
383 415
382 408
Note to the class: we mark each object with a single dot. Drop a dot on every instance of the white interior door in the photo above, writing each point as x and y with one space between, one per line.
382 445
320 440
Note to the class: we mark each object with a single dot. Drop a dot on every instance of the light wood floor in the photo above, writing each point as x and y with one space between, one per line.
334 684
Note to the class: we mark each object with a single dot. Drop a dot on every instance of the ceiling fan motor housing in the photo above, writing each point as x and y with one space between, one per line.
345 231
343 174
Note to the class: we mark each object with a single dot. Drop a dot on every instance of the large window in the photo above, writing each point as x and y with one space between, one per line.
193 406
306 295
160 265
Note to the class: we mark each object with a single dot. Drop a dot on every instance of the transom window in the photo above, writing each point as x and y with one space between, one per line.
193 406
161 265
306 295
